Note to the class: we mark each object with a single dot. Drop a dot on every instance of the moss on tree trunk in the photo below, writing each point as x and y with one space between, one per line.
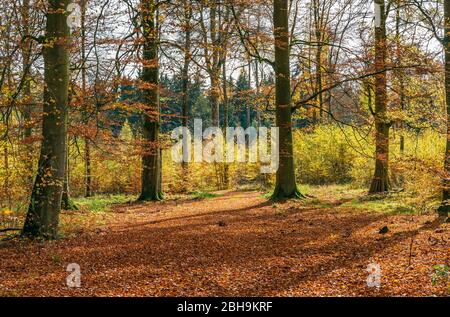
45 203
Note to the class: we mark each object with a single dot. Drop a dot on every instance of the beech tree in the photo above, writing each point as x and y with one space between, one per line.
307 67
151 158
285 186
45 203
26 60
87 143
187 15
380 182
211 38
444 208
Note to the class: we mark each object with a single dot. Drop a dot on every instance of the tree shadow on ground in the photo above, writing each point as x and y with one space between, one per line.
265 254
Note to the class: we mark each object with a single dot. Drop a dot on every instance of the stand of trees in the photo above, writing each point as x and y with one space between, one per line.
156 65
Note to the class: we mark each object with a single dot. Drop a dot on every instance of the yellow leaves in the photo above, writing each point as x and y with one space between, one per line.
334 236
6 212
48 173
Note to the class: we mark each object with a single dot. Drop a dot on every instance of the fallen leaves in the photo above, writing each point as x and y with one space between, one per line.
233 245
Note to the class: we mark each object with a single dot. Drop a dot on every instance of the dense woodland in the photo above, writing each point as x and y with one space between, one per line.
91 90
357 92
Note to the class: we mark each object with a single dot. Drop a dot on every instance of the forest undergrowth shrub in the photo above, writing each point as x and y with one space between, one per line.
322 157
325 155
337 155
418 171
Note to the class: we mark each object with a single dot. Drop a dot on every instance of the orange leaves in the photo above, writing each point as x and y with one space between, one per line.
177 248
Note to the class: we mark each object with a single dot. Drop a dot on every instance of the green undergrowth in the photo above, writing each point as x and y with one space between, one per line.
102 203
345 197
204 195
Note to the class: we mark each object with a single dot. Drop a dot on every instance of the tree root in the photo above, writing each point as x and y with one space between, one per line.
279 194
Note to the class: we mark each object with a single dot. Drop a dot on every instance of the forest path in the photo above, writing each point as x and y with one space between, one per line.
238 244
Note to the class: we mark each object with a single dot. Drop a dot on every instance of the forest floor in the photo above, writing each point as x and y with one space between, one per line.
233 244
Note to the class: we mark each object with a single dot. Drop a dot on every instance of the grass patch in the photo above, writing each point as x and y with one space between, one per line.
267 195
304 189
386 205
204 195
317 203
101 203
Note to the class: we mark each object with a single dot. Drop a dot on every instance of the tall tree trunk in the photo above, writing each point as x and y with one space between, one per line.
6 185
318 37
87 144
320 22
285 186
257 69
380 182
222 66
214 99
264 177
309 62
8 74
87 167
26 60
185 88
248 109
319 82
45 205
66 202
400 75
215 81
226 167
444 208
151 158
258 94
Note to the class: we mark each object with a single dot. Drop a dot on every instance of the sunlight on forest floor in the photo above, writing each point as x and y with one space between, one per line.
343 196
234 243
99 210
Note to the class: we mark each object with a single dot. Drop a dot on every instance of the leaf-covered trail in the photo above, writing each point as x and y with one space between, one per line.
236 244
